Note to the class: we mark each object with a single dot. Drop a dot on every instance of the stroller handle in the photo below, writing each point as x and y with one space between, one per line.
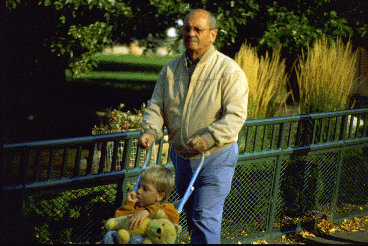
148 155
190 188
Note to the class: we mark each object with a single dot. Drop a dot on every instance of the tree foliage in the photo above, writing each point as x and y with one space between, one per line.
42 38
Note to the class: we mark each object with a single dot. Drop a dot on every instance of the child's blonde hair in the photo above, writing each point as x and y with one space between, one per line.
161 177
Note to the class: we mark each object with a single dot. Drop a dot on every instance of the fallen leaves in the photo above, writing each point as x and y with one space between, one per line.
307 234
259 242
325 226
355 224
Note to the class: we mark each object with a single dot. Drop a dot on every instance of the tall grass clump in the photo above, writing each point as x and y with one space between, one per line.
266 79
326 76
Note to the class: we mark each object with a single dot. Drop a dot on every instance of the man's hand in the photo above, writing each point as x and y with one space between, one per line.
146 141
137 218
132 196
198 144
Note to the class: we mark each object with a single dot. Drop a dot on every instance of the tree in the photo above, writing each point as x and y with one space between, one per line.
84 27
30 70
81 28
43 38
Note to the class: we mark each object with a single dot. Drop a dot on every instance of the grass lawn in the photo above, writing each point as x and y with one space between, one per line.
148 60
125 68
124 79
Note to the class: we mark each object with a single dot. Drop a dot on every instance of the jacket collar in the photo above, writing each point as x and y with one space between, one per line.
203 58
211 50
189 62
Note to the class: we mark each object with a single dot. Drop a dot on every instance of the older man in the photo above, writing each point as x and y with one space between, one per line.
201 98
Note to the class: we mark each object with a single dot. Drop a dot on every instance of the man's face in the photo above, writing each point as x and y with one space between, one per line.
197 33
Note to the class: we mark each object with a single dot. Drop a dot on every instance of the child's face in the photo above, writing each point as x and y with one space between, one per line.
147 194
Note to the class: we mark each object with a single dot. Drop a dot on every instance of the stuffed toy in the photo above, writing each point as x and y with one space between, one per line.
161 231
156 229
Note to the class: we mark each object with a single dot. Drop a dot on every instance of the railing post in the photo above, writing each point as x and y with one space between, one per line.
64 162
159 151
114 155
122 186
77 161
51 163
91 153
276 180
335 192
103 157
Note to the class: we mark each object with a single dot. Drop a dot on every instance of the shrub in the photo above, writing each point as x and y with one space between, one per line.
266 79
326 76
116 119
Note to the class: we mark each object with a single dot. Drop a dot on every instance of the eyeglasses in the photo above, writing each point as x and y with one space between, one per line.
194 28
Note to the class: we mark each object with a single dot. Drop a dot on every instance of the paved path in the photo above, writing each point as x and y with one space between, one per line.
354 236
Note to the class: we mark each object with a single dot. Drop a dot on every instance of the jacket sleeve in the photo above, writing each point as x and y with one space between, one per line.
128 208
171 213
153 117
235 102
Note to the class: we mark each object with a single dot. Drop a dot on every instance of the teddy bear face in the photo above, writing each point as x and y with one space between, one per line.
162 231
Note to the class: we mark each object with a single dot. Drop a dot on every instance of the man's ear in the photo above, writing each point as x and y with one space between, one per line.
213 35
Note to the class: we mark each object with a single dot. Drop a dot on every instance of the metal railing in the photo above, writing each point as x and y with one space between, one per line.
291 171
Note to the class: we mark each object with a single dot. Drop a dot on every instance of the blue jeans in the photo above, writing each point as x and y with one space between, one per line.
205 206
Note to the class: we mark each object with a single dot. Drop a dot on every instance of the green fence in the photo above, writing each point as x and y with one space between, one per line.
291 172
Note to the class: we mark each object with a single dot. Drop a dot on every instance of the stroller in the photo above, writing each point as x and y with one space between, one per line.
179 204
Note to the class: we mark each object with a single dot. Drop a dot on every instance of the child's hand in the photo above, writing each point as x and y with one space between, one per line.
137 218
132 196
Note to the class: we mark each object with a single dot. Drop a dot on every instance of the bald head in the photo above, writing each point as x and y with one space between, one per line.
209 16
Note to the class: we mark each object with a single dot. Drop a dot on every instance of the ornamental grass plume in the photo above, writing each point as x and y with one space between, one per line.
266 79
326 76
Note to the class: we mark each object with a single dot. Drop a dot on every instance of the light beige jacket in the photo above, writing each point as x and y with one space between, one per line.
213 104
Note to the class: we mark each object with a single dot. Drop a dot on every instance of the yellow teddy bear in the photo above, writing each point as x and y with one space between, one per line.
156 229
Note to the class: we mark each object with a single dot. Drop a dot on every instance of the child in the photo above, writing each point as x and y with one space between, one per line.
154 187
